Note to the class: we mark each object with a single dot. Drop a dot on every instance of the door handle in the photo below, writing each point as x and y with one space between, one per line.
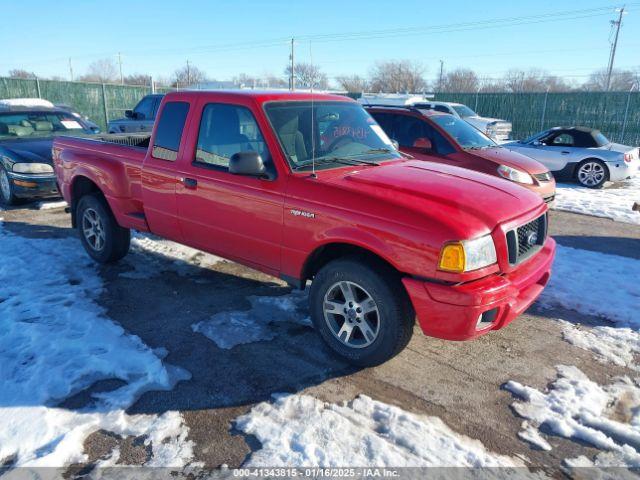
190 183
564 152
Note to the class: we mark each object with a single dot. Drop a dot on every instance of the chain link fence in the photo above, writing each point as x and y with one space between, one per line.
616 114
100 102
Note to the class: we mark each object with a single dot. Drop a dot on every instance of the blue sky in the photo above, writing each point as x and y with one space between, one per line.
225 38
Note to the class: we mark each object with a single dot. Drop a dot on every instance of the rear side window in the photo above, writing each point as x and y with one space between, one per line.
225 130
169 131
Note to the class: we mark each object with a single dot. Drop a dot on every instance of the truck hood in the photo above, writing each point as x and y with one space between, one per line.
429 187
504 156
30 150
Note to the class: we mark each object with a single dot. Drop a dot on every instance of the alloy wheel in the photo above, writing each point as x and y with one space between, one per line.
5 186
93 229
591 174
351 314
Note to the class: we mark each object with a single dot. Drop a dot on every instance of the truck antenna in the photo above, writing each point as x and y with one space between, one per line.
313 137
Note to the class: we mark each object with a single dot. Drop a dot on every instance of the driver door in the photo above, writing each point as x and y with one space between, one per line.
234 216
557 150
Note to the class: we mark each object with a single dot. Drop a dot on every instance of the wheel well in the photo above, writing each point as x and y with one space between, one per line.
81 187
326 253
592 159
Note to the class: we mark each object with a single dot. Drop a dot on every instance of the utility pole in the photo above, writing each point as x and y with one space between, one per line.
292 77
70 70
188 74
440 78
617 24
120 64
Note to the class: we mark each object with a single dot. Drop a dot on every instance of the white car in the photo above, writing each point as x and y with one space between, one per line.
580 153
498 129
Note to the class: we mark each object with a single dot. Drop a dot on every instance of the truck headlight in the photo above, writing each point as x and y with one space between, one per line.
468 255
32 168
515 175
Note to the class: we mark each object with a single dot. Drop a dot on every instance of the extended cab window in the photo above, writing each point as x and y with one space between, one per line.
169 131
225 130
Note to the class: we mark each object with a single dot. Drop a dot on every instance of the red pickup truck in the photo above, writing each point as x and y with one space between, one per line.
308 187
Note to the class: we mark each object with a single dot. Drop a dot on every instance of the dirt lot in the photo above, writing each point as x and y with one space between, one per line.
459 382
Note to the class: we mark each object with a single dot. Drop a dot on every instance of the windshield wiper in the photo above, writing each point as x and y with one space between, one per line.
342 160
377 150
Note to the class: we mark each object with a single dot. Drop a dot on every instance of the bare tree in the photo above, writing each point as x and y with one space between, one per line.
19 73
308 76
103 71
137 79
460 80
621 80
534 80
353 83
188 75
402 76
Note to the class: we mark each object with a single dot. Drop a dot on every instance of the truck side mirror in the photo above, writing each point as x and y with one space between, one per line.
248 163
128 113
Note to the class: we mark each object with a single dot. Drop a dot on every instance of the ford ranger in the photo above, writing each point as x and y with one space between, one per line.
308 187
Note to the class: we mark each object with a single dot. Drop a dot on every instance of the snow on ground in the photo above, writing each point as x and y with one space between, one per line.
229 329
183 258
604 286
614 202
595 283
50 205
299 430
56 341
577 408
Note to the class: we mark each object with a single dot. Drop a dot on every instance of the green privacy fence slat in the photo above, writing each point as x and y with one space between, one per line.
529 112
605 111
85 98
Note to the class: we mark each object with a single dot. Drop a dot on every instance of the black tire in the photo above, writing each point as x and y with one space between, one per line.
600 173
116 240
395 315
7 197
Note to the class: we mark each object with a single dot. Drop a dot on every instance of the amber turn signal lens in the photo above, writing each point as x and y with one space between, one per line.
452 258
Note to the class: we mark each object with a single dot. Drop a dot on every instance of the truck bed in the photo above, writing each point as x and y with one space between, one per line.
114 163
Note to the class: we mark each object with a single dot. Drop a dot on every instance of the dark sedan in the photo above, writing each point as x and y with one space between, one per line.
26 137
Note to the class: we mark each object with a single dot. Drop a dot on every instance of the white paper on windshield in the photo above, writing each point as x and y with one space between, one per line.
70 124
378 131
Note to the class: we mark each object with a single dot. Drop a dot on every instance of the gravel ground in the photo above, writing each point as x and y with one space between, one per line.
460 382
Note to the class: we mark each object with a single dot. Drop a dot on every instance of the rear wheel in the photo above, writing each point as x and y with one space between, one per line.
103 239
361 311
592 173
7 197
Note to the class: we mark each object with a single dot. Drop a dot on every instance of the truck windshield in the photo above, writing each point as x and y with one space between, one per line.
332 133
464 111
464 134
15 125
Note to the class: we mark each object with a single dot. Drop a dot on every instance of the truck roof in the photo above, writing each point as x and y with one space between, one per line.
260 96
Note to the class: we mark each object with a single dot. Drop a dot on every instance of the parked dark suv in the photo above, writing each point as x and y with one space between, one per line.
140 119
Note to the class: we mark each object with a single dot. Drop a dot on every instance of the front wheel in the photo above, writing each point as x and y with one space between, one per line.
592 173
7 197
104 240
361 310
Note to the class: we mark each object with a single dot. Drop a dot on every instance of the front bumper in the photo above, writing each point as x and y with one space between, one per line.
452 312
33 186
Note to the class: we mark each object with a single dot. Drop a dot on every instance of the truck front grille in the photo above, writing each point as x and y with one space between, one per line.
526 240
